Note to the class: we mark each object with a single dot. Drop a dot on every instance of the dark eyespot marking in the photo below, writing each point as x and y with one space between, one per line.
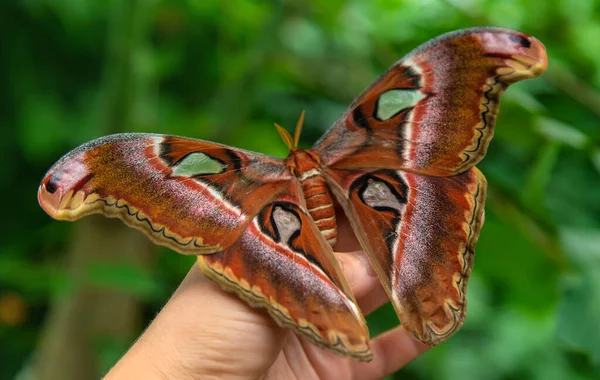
360 119
235 158
51 186
413 75
520 40
382 190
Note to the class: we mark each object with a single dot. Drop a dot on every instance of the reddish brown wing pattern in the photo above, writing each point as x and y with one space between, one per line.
190 195
420 233
433 112
400 162
283 263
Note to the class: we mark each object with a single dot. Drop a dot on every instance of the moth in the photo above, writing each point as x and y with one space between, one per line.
400 162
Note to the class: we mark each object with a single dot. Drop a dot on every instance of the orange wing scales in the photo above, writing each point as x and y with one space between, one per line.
133 177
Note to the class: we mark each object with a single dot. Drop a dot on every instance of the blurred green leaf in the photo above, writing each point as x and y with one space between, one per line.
555 130
539 176
303 38
595 157
579 311
124 277
38 281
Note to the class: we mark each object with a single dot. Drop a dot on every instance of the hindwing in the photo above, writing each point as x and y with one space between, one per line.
282 262
419 233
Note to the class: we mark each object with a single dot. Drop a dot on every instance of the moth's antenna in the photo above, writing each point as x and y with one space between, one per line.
285 136
298 129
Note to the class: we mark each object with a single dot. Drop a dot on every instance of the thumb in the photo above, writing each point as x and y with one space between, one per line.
204 331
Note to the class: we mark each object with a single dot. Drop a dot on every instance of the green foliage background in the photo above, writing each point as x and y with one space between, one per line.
226 70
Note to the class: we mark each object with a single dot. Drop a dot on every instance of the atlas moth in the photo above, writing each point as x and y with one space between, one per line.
400 162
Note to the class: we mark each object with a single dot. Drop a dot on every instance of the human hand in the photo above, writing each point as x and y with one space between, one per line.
204 332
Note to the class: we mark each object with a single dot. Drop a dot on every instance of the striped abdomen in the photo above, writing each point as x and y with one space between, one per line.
320 205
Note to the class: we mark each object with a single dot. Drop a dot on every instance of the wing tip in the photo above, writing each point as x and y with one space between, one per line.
48 200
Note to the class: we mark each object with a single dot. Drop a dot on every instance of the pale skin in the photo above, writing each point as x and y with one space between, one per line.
206 333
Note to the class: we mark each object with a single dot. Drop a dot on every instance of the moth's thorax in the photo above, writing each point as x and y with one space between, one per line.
304 164
301 161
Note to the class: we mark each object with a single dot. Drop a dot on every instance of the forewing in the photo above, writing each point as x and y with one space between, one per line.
282 262
433 112
190 195
419 233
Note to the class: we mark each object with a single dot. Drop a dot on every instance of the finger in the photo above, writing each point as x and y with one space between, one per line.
392 351
361 276
346 240
363 280
206 304
203 292
199 316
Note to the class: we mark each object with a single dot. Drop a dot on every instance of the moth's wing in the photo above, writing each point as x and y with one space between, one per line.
419 232
281 262
190 195
401 163
433 112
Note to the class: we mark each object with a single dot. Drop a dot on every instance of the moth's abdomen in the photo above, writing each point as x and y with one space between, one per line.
320 205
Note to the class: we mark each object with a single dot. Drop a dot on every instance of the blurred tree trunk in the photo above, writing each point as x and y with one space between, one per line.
87 314
79 319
